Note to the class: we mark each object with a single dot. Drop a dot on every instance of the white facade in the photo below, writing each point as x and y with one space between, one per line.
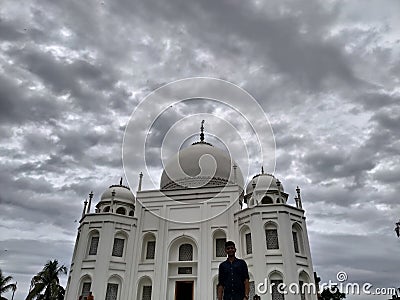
168 243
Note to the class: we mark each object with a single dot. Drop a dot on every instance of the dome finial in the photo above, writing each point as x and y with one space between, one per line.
120 182
262 169
202 131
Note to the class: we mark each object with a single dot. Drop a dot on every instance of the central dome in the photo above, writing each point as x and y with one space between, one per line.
200 165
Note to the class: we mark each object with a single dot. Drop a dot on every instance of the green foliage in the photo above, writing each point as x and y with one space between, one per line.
46 284
5 284
332 294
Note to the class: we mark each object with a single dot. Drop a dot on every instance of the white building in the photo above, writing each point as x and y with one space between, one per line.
168 243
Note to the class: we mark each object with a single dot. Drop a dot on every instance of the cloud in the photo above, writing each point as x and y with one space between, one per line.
325 72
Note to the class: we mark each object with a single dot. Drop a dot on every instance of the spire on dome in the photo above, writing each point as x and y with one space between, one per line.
120 182
202 135
202 131
262 169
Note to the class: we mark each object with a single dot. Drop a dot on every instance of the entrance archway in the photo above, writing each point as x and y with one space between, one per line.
184 290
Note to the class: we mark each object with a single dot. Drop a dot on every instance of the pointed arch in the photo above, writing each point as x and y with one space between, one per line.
114 287
304 285
85 285
93 242
298 240
246 245
145 288
215 286
275 278
271 235
267 200
148 246
121 210
252 286
120 239
177 242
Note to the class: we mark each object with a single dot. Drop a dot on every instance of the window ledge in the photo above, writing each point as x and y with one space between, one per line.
147 262
183 262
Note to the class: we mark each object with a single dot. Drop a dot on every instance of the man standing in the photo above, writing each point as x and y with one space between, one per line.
233 276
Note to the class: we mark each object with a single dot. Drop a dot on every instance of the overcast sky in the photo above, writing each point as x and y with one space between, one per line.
325 72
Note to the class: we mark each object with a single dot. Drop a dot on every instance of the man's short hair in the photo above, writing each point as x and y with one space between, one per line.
229 243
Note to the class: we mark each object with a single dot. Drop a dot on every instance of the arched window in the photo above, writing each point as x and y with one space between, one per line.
252 287
94 238
267 200
121 211
119 245
149 246
182 249
185 252
106 209
247 245
271 235
131 213
113 288
219 239
144 288
276 279
297 238
86 285
305 290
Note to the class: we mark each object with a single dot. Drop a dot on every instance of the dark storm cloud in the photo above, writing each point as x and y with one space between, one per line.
388 119
73 71
8 30
16 106
37 142
384 137
388 176
355 162
53 164
342 249
376 100
29 194
65 77
301 56
329 164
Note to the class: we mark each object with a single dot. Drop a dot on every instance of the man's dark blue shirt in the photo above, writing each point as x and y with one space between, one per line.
232 276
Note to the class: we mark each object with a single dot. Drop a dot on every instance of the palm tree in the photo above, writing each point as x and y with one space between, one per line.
5 284
46 284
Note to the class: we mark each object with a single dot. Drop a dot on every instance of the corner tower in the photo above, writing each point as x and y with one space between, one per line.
102 257
273 239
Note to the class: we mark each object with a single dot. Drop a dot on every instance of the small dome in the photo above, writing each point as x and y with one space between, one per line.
122 193
263 182
200 165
